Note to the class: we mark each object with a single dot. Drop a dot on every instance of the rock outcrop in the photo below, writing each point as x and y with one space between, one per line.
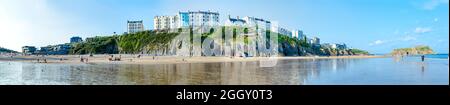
417 50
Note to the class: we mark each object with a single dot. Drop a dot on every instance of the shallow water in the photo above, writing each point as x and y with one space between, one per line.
370 71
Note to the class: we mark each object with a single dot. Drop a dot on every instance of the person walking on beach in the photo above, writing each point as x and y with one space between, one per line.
111 57
423 58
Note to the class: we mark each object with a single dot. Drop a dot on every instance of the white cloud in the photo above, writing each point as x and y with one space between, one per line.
403 38
408 38
431 4
420 30
377 42
436 20
396 32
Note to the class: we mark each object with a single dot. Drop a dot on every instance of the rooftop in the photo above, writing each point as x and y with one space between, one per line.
140 21
202 12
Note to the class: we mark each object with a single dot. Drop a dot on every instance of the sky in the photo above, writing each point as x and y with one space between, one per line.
377 26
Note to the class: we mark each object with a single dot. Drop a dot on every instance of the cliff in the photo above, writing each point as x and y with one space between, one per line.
159 43
287 47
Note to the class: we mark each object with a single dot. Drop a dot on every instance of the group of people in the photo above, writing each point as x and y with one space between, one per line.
82 59
112 58
42 61
422 57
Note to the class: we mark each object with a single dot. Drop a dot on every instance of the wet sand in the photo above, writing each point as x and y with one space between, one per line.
287 71
134 59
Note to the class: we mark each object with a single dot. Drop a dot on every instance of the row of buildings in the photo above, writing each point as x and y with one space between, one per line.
186 19
211 19
202 19
59 49
251 21
182 19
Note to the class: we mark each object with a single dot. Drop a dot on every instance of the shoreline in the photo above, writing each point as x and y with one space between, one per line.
133 59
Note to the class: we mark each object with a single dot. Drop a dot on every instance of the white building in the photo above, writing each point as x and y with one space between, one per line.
203 18
186 19
260 23
285 31
335 45
235 21
247 21
135 26
165 22
298 34
282 31
309 40
315 41
328 45
183 19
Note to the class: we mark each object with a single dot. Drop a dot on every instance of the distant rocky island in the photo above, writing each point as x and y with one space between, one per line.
417 50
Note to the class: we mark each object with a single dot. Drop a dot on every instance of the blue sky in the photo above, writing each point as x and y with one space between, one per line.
374 25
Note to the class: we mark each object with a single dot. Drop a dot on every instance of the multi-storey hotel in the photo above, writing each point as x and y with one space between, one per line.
315 41
235 21
298 34
165 22
203 18
260 23
186 19
135 26
282 31
248 21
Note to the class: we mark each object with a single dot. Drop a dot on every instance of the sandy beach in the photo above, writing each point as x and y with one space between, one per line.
333 70
134 59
